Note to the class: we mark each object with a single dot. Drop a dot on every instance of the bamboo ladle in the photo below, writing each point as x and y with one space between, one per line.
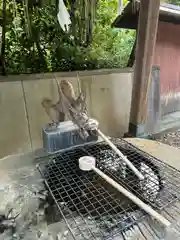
88 163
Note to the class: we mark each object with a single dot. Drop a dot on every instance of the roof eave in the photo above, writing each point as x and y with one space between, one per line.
165 15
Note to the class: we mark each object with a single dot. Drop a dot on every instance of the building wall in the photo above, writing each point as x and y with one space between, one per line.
167 57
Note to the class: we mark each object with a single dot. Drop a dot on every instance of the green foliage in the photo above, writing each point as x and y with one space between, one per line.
42 46
111 47
8 12
175 2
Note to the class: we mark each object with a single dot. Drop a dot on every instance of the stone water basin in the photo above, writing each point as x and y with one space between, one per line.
23 198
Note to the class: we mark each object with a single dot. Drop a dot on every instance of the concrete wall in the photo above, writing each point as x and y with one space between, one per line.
22 117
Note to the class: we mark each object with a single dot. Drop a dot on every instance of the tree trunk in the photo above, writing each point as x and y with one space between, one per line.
132 56
3 39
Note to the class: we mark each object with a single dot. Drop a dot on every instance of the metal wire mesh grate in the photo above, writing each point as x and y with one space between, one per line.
92 208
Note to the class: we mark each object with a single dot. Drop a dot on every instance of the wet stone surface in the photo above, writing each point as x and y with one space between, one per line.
171 138
24 208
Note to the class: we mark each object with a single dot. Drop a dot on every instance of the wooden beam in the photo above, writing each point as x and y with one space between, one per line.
146 39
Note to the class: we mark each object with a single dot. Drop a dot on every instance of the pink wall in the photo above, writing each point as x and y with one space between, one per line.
167 56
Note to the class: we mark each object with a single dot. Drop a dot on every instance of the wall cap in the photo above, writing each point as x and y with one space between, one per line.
40 76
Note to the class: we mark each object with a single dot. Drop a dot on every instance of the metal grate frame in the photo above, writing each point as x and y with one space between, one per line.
91 208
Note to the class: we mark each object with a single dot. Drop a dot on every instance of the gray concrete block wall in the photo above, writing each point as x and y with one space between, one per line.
35 91
14 135
121 93
108 95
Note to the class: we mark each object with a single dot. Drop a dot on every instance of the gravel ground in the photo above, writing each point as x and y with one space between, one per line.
171 138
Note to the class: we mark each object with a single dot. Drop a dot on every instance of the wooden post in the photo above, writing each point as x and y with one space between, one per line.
146 39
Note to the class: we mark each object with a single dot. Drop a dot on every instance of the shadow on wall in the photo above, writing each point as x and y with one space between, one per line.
22 116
